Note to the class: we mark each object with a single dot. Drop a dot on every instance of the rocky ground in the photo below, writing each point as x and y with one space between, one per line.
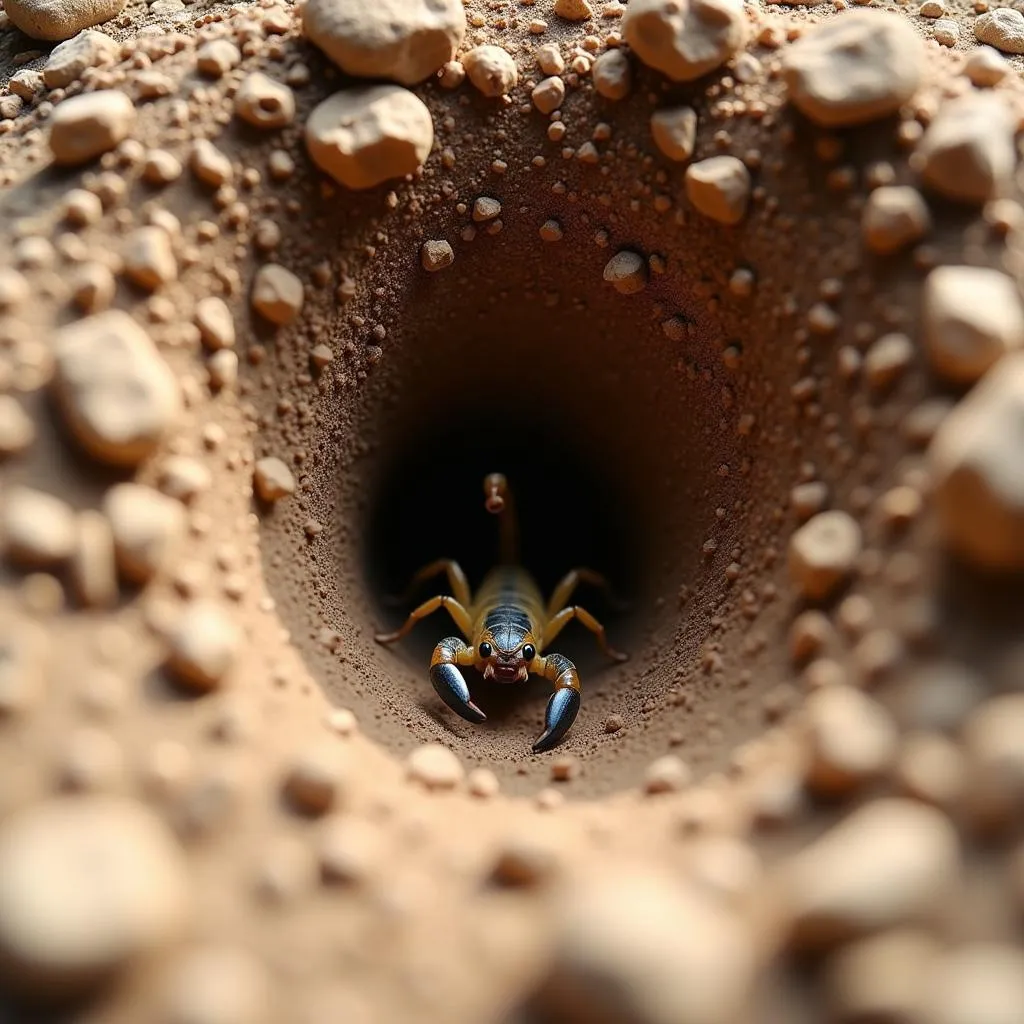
732 289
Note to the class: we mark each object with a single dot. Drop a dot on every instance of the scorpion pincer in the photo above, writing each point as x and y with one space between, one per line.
508 627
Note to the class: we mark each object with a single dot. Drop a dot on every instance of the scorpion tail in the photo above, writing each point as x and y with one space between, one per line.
498 500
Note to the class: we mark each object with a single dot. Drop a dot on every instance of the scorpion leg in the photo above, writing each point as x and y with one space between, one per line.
448 681
561 619
456 580
456 610
571 580
563 704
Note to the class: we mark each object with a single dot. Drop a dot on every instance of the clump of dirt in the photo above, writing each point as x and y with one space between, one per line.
730 292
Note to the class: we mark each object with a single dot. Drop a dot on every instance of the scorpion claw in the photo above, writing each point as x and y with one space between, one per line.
452 689
563 706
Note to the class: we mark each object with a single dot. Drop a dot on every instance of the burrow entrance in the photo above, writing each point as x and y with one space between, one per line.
625 446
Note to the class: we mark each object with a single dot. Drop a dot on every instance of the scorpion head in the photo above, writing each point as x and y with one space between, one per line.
505 663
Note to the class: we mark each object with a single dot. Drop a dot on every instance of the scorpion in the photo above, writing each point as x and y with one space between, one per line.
508 626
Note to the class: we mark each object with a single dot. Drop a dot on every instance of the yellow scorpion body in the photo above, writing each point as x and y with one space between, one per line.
508 626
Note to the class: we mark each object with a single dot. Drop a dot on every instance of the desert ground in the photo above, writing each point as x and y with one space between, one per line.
729 290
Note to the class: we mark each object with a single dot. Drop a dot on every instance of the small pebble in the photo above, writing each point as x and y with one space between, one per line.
86 126
272 479
823 553
435 767
313 781
626 271
203 645
277 294
436 254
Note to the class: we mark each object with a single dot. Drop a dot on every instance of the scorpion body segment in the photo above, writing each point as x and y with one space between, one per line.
508 626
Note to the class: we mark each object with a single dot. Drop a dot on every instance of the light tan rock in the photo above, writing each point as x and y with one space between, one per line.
149 259
858 67
363 137
685 39
612 75
995 763
667 774
883 977
435 767
86 126
894 217
86 885
1002 28
209 164
549 59
719 187
888 864
203 645
272 479
117 394
491 70
183 477
436 254
931 768
946 32
26 84
217 57
984 67
93 564
674 131
626 272
215 322
975 983
264 103
313 781
574 10
71 59
277 294
403 40
823 553
636 947
548 94
967 152
971 318
38 529
887 359
146 525
54 20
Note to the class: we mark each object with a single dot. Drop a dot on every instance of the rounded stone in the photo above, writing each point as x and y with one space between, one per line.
402 40
978 473
823 553
972 317
204 645
1002 28
855 68
55 20
491 70
118 395
84 127
685 39
86 884
363 137
719 187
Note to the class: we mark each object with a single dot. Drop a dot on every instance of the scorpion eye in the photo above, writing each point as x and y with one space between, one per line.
529 652
485 650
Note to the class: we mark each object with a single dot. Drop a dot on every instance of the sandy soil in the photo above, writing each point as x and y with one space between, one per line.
790 442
